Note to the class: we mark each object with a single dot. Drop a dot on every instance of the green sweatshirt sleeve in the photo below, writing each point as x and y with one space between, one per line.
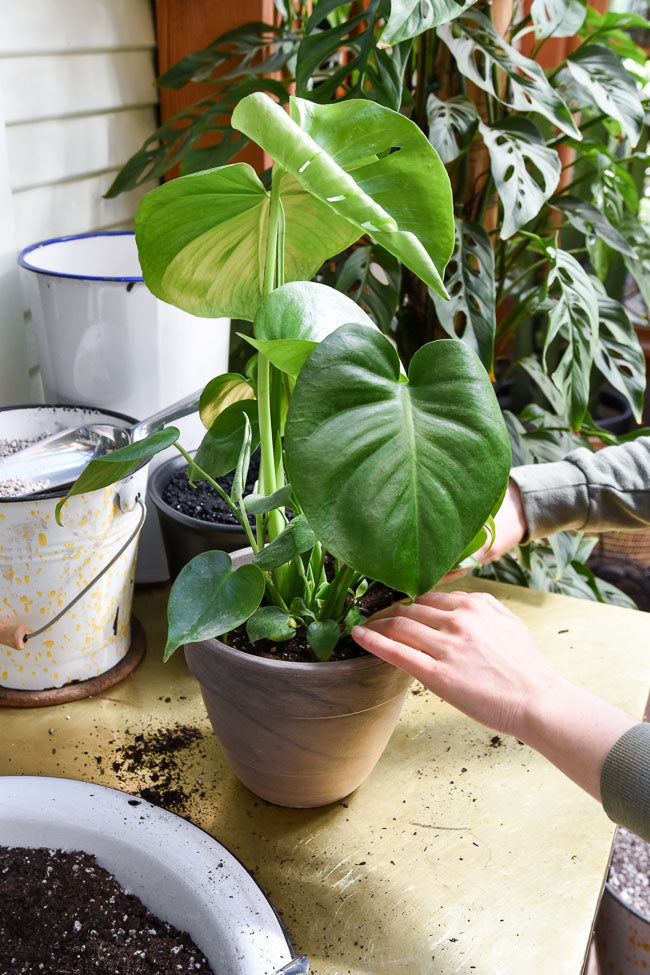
625 781
588 491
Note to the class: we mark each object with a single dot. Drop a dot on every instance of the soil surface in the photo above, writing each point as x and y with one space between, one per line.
203 501
62 913
629 873
297 649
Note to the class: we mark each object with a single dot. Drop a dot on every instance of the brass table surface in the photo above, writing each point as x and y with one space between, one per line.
459 854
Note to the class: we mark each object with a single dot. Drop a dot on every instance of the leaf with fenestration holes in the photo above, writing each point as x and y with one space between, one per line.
452 125
484 58
470 313
526 171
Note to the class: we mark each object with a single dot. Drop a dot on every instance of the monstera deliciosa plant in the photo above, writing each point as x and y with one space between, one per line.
395 476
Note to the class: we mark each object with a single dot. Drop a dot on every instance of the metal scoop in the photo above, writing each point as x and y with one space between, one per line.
56 461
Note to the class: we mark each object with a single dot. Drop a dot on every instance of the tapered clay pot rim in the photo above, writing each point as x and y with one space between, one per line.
297 666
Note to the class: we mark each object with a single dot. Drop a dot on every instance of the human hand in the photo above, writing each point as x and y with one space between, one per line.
509 529
468 648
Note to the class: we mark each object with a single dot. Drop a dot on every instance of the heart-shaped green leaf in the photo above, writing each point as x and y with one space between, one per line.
202 238
452 125
470 313
380 467
210 598
270 623
220 448
293 540
222 392
295 317
114 466
483 55
306 311
409 18
387 181
322 636
287 355
525 170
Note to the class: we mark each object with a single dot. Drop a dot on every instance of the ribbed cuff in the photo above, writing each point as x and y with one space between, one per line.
625 781
554 497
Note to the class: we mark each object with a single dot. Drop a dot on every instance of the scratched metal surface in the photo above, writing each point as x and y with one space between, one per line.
457 855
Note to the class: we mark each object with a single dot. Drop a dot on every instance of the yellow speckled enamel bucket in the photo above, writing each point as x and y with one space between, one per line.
44 567
622 937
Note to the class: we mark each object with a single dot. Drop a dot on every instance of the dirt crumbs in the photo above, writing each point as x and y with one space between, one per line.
158 758
629 873
61 912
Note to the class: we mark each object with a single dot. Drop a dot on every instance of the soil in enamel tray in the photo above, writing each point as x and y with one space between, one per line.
62 913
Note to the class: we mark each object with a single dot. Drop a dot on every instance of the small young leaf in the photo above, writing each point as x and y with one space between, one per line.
259 504
219 450
243 463
323 637
296 538
300 608
354 618
287 355
222 392
114 466
209 598
270 623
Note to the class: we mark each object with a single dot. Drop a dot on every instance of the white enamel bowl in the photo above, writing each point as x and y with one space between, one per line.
179 872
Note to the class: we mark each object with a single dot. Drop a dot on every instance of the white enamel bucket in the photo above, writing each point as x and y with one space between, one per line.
45 567
105 341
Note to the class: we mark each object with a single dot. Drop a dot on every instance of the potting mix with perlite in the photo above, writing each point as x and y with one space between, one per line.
61 912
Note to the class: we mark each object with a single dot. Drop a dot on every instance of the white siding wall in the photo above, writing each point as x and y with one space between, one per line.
77 98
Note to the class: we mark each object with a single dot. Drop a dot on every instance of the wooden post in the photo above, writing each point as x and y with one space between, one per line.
185 26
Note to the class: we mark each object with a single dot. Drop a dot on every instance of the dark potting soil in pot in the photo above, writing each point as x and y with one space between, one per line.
629 872
61 912
297 649
202 501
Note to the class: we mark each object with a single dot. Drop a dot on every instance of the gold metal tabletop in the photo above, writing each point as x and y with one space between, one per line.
463 852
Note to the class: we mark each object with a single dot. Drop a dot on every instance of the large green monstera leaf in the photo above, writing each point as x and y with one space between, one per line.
349 169
396 478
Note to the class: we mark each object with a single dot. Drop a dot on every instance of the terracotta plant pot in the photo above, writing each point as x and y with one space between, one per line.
298 734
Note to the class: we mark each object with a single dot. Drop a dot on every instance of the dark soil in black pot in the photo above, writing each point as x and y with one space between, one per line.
202 501
61 912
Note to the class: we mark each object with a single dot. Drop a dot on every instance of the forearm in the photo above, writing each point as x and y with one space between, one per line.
572 728
588 491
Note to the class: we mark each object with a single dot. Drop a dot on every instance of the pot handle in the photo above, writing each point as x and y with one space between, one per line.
17 636
297 966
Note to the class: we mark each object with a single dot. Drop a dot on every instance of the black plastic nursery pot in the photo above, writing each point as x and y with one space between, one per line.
184 536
